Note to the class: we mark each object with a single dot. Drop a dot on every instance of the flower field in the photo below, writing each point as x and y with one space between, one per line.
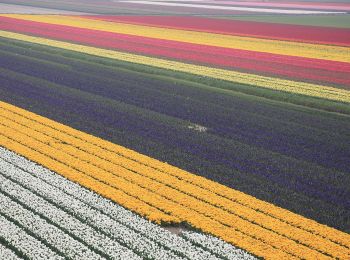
174 137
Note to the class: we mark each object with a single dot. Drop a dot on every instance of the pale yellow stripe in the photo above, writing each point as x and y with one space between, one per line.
301 88
335 53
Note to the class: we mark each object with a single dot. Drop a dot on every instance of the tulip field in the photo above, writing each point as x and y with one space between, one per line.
198 129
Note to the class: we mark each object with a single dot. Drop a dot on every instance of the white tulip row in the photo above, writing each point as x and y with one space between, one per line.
114 221
73 192
7 254
217 246
90 236
27 244
87 215
41 228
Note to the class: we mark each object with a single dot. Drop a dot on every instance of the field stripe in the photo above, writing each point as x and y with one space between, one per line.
307 89
300 33
112 162
275 65
29 246
214 187
326 52
49 140
78 195
6 253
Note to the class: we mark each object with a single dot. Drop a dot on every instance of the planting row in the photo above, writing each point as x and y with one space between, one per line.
170 198
6 253
319 71
69 220
147 131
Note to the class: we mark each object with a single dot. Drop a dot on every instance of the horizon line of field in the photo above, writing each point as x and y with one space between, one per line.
283 32
318 51
292 4
299 68
301 88
63 197
229 8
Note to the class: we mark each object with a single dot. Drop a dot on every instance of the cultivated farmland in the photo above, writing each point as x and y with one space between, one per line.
174 130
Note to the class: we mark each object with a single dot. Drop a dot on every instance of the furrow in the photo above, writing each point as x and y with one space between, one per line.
30 247
6 253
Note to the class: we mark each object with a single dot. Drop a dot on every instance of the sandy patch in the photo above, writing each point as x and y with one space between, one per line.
21 9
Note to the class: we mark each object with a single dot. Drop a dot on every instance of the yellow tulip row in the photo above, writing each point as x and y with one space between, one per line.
157 194
173 191
301 88
24 145
308 50
226 212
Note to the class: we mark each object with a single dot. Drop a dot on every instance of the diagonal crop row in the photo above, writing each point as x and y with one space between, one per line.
78 220
86 168
161 196
28 246
192 217
228 210
165 169
28 172
215 245
6 253
51 234
131 160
